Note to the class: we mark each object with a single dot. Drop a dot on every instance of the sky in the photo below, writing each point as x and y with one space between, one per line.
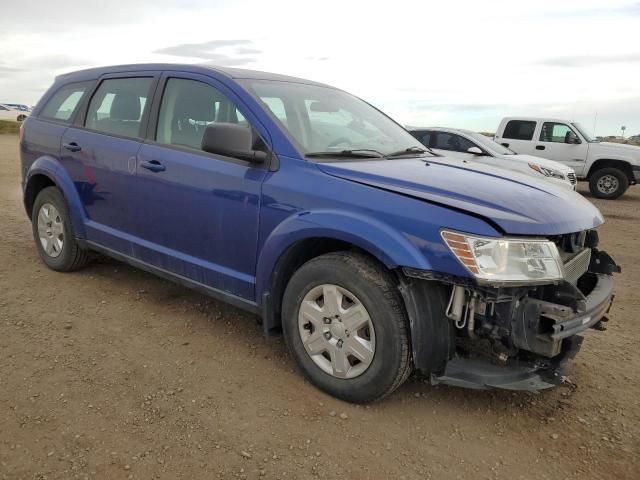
457 63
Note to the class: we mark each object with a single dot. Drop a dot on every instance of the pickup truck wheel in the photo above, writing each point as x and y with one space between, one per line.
53 233
608 183
345 324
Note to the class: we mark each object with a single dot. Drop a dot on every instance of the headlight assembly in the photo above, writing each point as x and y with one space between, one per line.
547 172
506 260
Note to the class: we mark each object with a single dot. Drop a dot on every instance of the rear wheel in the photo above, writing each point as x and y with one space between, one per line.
53 232
608 183
346 327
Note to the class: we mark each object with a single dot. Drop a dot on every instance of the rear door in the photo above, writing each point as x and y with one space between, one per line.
518 135
552 144
195 213
99 151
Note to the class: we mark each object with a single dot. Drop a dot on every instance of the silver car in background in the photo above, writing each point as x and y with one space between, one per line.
472 146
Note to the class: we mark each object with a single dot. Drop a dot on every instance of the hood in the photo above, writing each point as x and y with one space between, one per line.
514 202
618 146
543 162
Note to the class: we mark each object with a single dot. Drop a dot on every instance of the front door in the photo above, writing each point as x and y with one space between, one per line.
196 214
553 144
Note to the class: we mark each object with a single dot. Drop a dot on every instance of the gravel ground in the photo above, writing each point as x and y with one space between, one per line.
113 373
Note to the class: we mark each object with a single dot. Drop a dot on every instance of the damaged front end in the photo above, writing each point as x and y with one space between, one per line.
521 337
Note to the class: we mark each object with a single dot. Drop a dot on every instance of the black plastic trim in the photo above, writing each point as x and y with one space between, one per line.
227 297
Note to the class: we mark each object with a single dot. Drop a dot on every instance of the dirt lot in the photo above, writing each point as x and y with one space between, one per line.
112 373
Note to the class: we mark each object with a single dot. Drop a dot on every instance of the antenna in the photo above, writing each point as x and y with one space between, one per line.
595 122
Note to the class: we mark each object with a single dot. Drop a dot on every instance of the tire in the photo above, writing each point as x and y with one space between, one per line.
59 250
21 118
362 282
608 183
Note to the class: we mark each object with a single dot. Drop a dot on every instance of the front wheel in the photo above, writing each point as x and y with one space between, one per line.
608 183
346 326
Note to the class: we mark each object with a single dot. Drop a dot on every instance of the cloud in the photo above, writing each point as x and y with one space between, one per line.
589 60
205 50
7 69
234 53
247 51
458 108
48 15
227 61
54 62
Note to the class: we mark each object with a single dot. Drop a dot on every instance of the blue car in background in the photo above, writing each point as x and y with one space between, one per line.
311 208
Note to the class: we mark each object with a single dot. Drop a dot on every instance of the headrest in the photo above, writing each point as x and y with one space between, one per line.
125 106
195 107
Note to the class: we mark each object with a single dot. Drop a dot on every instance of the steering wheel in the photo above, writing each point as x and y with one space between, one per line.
339 141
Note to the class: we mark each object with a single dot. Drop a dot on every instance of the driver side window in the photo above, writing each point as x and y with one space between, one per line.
555 132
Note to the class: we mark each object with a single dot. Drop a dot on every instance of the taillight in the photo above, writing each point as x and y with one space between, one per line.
21 133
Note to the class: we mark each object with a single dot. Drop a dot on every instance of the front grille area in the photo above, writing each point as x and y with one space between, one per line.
572 178
577 266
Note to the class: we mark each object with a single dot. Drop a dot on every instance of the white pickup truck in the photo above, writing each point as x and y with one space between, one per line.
609 167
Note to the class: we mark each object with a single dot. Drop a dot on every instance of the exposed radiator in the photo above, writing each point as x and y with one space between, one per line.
577 266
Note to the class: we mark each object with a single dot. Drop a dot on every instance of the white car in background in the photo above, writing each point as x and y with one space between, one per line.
475 147
8 113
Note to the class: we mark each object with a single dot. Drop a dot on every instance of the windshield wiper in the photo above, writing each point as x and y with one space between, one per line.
354 153
410 150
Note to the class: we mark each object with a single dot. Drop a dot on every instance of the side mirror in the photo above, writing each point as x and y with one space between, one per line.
572 138
231 140
475 150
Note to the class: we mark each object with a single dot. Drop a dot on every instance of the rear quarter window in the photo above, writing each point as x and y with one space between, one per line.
64 103
519 129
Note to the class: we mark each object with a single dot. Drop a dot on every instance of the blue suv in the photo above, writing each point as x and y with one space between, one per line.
311 208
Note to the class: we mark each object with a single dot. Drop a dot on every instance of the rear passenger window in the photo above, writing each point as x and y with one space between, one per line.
118 105
519 130
63 104
187 107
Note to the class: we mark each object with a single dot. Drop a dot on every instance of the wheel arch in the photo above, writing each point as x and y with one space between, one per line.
306 236
47 172
622 165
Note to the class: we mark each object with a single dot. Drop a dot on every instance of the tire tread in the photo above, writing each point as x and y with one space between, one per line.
370 269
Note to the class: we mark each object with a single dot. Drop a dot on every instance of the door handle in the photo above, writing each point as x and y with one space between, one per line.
540 147
505 145
72 146
153 165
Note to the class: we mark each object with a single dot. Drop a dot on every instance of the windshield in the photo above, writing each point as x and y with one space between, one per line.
583 132
490 145
323 119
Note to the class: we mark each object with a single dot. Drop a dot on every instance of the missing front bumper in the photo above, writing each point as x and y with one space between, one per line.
532 377
524 340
